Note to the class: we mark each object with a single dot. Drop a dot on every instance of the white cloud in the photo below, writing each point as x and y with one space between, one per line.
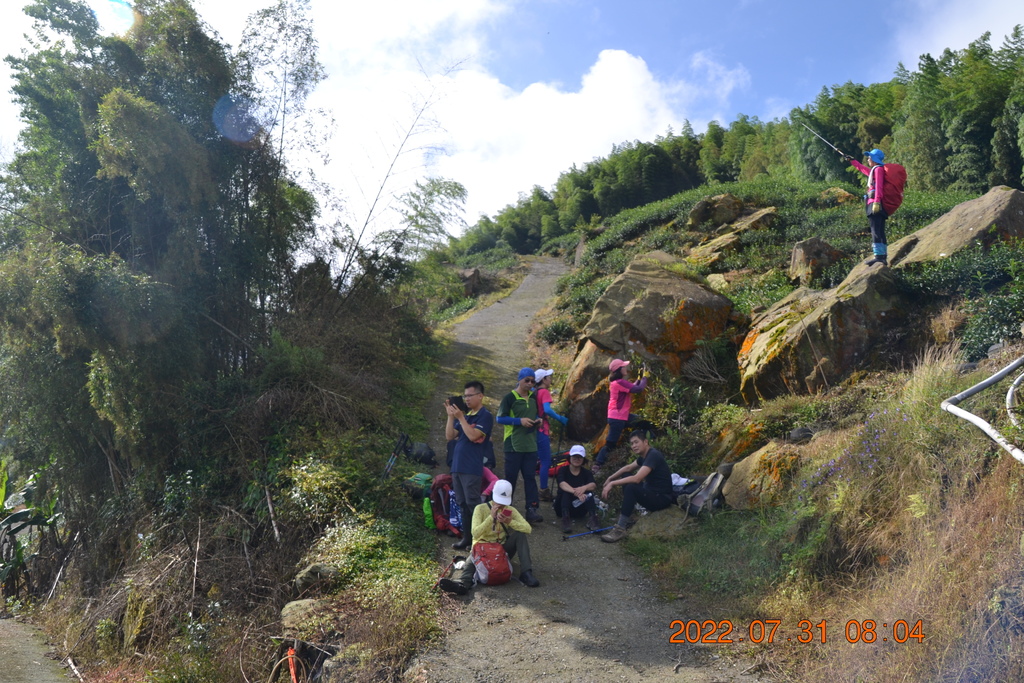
939 24
504 142
386 59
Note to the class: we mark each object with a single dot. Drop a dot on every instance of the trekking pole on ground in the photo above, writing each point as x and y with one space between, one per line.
444 573
588 533
838 151
394 455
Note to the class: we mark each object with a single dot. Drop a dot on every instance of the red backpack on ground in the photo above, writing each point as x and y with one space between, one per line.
894 178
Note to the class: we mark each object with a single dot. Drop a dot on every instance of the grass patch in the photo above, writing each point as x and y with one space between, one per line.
734 556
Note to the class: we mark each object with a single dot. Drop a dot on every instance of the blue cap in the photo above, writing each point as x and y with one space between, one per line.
524 373
876 155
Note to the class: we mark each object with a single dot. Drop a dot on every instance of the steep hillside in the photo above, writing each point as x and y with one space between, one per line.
881 532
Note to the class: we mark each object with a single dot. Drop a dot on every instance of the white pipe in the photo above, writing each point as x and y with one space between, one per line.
1011 400
950 406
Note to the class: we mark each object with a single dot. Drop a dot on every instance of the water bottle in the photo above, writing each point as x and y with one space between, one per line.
576 502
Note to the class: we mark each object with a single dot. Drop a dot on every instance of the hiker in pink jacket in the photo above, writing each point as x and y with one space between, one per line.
618 407
873 203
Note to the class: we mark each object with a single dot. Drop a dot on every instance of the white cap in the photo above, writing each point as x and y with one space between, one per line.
502 492
539 375
578 450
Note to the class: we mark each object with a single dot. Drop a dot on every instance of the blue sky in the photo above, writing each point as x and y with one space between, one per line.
520 90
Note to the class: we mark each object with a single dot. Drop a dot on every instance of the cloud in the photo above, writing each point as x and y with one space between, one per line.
941 24
388 60
504 142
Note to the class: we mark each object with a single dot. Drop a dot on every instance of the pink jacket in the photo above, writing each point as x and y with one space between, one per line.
620 400
876 184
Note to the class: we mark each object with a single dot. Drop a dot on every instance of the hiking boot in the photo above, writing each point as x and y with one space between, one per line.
528 579
533 517
593 524
545 496
466 542
453 587
615 535
879 258
566 524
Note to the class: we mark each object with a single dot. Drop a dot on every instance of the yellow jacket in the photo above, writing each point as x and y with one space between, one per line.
485 530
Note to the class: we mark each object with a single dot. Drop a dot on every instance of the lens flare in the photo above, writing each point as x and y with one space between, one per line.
116 17
232 115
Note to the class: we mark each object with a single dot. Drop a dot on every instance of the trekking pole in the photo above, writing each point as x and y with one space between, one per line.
394 455
588 533
815 134
444 573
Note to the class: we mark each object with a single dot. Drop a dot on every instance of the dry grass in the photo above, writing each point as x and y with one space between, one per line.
947 323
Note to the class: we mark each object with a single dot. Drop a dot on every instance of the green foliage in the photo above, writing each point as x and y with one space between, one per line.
761 292
558 332
992 320
969 272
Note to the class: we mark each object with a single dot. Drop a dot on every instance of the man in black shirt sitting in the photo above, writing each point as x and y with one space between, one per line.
647 481
576 489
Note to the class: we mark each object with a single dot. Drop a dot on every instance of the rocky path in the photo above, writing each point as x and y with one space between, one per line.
25 657
595 616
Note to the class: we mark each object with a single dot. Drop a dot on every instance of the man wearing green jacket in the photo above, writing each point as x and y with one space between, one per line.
520 417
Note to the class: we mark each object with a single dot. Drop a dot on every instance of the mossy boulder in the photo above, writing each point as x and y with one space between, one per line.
998 215
760 477
656 310
812 339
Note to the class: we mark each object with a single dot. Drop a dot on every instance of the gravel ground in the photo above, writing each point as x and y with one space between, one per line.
26 658
596 616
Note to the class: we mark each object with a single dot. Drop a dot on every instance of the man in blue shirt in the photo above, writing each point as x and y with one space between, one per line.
470 430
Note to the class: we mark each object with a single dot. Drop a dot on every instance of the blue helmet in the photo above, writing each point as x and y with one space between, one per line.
876 155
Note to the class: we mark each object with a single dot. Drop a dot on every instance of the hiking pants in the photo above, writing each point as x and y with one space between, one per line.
615 428
636 493
564 503
467 495
544 457
517 462
877 222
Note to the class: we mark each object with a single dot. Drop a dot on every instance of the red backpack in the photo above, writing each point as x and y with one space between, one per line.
493 567
894 178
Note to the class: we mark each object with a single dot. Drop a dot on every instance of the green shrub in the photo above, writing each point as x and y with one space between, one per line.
992 320
763 291
558 332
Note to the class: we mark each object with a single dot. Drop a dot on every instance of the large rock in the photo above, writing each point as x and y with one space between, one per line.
314 576
729 236
760 477
472 281
653 311
997 215
586 389
809 258
759 220
720 209
295 613
712 253
812 339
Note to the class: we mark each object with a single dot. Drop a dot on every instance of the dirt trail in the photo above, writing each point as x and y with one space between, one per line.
595 616
25 657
